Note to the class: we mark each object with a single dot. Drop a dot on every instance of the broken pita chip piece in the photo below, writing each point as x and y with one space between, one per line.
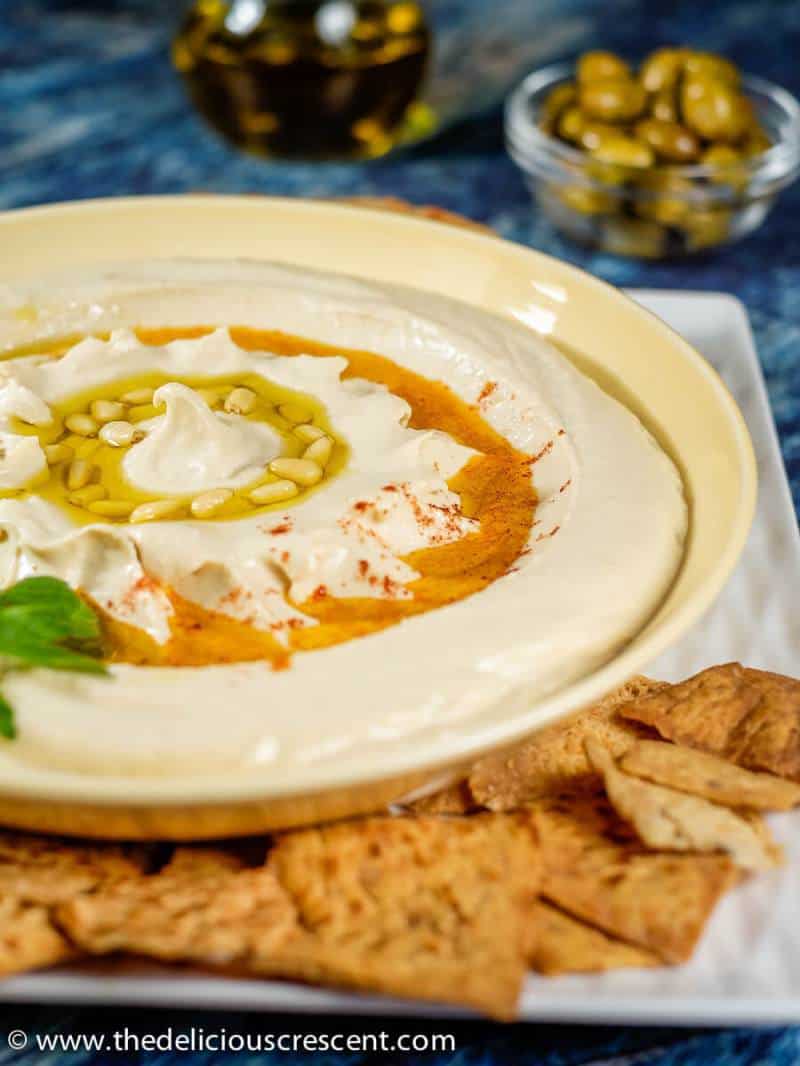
554 759
28 938
36 873
700 774
47 870
422 907
596 869
759 825
749 717
203 906
667 820
564 944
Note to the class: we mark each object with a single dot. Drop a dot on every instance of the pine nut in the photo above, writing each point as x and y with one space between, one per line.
301 471
241 401
320 451
83 425
79 473
308 433
58 453
208 503
111 508
279 423
35 420
151 512
274 492
143 411
107 410
293 412
83 497
121 434
138 396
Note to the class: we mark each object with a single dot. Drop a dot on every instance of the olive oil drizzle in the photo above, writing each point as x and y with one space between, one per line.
87 497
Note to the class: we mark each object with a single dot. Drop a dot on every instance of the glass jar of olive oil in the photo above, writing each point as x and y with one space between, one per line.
307 78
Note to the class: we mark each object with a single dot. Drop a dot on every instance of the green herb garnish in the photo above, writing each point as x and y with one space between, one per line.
43 623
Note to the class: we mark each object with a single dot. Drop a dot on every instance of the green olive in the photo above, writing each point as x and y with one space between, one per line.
613 99
669 140
728 166
666 212
632 236
755 142
706 228
571 124
622 151
662 69
586 201
598 66
713 109
594 132
664 197
709 65
664 106
720 155
557 101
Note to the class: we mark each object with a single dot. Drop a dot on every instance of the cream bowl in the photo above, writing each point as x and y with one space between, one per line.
627 351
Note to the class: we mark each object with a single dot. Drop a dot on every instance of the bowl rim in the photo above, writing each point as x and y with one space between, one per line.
533 149
108 793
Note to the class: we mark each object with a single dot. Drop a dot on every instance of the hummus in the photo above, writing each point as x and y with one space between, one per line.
429 430
390 499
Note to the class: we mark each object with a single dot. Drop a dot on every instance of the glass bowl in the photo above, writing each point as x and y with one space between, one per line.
657 212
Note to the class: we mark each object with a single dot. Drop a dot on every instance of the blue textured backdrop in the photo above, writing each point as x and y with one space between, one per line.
89 106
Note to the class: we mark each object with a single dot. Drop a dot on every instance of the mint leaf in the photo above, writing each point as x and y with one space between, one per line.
8 728
54 600
50 591
30 653
32 624
43 623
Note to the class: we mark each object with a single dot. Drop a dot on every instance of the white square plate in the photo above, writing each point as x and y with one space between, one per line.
747 969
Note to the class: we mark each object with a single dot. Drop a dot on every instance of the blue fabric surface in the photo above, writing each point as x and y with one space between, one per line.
89 106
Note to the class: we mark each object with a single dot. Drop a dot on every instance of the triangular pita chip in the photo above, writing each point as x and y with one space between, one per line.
689 770
750 717
668 820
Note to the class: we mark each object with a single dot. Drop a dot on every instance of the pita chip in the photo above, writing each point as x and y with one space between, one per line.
749 717
596 869
689 770
554 759
667 820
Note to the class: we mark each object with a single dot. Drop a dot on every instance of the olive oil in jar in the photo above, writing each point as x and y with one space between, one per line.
307 78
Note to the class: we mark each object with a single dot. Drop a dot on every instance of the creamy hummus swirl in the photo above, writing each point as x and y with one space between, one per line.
191 448
347 539
606 543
